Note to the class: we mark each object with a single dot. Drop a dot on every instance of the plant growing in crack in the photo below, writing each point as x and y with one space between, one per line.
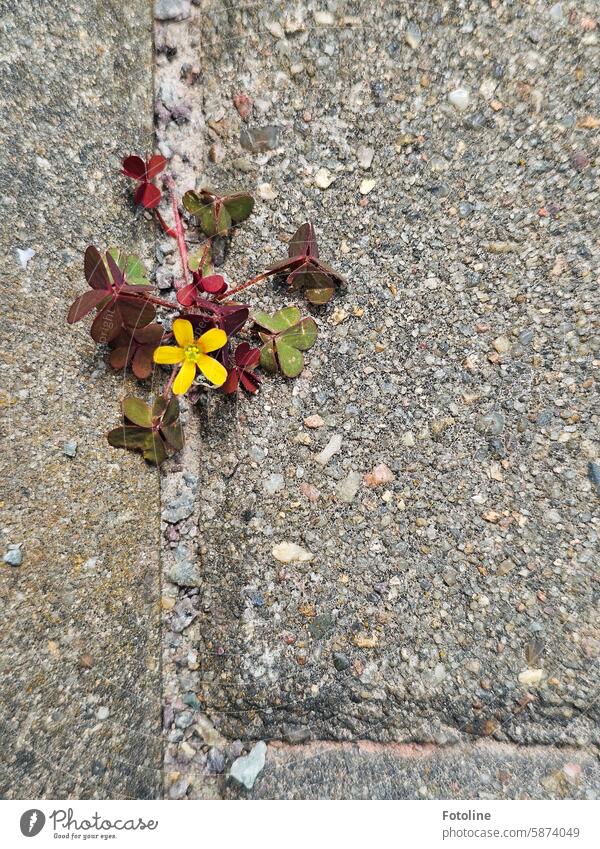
207 337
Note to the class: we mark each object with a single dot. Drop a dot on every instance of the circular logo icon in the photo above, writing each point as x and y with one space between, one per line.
32 822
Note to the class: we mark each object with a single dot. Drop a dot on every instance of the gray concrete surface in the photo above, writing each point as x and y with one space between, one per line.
457 599
80 713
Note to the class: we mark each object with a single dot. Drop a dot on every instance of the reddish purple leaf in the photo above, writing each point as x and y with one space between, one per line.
147 195
134 167
84 304
155 165
95 269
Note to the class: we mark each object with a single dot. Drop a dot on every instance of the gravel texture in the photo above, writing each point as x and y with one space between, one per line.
448 158
80 697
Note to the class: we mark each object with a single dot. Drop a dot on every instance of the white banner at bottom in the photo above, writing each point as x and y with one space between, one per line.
301 824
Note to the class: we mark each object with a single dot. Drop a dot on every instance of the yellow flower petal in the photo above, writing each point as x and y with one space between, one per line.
185 378
211 368
167 355
212 340
184 332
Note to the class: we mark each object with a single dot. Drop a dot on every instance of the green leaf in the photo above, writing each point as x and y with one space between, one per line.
319 296
172 412
194 260
137 411
131 266
212 216
278 322
173 434
268 360
156 452
130 437
159 405
291 361
239 206
302 335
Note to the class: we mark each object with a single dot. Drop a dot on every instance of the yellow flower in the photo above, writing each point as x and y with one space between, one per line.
192 353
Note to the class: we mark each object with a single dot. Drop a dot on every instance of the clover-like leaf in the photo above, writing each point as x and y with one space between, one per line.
131 267
239 206
216 214
305 272
137 411
154 430
285 336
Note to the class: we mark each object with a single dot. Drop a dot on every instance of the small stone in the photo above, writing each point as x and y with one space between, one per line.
365 157
593 471
266 191
103 713
180 508
556 13
588 122
505 567
260 138
243 104
323 178
215 760
207 732
314 421
309 491
340 661
412 36
408 439
289 552
367 186
332 447
501 344
348 488
449 577
320 626
179 788
531 677
246 769
459 98
25 255
275 29
324 19
185 572
465 209
70 448
14 555
86 661
171 10
380 474
274 483
365 641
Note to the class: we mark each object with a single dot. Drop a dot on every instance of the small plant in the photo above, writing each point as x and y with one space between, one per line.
211 345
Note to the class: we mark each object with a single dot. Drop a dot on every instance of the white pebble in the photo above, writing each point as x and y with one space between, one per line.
332 447
367 186
289 552
323 179
25 256
459 98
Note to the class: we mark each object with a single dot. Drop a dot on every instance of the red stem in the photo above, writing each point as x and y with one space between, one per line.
167 389
168 230
245 285
183 254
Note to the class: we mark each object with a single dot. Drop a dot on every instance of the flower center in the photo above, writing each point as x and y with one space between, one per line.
192 352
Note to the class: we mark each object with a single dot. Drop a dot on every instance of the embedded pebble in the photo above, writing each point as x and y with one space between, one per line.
459 98
323 178
70 448
380 474
274 483
365 157
245 770
14 555
289 552
314 421
332 447
531 677
171 10
366 186
412 36
348 488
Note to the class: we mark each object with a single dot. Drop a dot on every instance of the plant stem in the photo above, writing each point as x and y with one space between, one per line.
167 389
183 254
168 230
245 285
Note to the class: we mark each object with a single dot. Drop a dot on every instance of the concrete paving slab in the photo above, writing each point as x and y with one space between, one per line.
80 627
452 589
